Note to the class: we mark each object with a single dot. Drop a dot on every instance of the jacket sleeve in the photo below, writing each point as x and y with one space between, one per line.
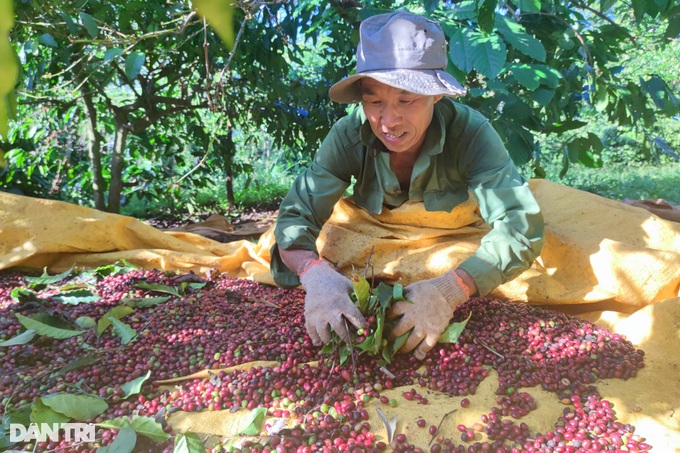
309 203
510 209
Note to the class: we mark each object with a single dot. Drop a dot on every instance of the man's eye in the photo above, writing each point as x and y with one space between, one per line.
406 101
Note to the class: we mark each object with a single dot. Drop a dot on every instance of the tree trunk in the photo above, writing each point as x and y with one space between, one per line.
117 164
228 170
94 139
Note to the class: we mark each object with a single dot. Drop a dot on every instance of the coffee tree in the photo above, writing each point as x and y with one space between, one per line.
164 98
133 69
532 65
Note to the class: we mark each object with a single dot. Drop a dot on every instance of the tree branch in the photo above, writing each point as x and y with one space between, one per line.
207 63
584 46
220 82
605 18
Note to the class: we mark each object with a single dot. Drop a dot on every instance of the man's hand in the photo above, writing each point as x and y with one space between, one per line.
427 311
327 303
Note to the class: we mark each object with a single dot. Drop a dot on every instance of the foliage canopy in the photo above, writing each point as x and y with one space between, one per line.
146 100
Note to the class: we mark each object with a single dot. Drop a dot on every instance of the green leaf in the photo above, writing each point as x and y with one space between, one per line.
219 14
85 322
46 279
134 386
343 353
599 97
584 150
51 320
399 342
44 329
123 330
385 292
23 295
453 331
40 413
118 268
560 128
673 28
22 338
188 443
117 312
543 96
529 6
254 422
532 76
465 10
486 15
367 346
124 442
327 348
387 355
195 285
362 291
461 50
373 342
159 288
430 5
73 285
111 54
48 40
526 76
519 141
574 149
77 296
90 25
518 38
662 95
606 4
565 164
72 27
472 50
389 352
398 292
639 9
75 364
79 407
144 426
144 302
20 416
133 64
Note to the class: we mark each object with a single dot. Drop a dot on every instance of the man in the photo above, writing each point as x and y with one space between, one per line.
409 142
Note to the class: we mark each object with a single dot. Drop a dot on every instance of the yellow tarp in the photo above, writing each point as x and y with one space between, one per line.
613 263
597 251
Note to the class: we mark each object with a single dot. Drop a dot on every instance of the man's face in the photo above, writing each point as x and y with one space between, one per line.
398 118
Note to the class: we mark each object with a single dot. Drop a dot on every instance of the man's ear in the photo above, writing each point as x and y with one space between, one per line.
438 98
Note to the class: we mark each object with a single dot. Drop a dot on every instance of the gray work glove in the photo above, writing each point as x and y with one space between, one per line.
427 311
327 303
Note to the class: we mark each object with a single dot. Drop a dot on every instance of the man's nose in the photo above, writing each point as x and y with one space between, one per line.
390 116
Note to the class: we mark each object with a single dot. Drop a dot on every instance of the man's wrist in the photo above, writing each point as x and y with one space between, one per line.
467 280
298 260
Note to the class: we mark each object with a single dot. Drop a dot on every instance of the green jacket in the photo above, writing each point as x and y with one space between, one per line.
462 152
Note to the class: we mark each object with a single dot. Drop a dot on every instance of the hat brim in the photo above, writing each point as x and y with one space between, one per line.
426 82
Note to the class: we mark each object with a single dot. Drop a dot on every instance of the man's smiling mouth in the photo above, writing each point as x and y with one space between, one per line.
393 136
